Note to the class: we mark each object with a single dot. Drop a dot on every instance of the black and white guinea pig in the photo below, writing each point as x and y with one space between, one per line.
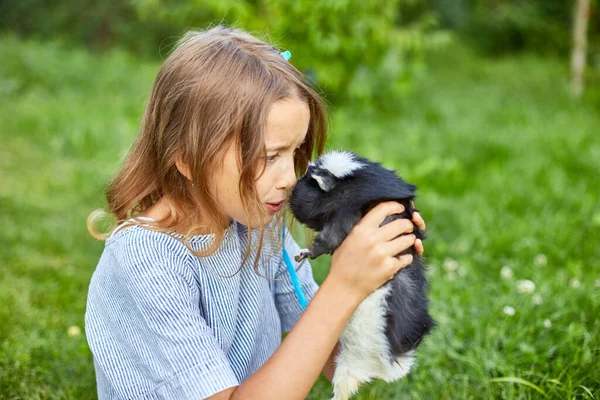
380 338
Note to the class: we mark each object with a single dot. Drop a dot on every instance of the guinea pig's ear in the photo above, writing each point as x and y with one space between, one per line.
326 183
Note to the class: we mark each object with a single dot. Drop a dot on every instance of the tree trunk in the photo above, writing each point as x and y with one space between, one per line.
580 22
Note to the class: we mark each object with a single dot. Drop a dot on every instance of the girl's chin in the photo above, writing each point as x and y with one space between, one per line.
255 223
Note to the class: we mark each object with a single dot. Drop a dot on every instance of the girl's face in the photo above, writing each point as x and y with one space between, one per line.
287 125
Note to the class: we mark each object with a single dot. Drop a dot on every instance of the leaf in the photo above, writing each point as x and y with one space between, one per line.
588 391
514 379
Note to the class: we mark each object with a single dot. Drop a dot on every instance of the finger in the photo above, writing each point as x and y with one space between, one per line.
419 247
376 216
395 228
418 220
398 245
401 262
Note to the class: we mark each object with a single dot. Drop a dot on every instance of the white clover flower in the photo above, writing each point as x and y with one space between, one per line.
537 299
540 260
547 323
450 264
597 282
506 272
431 269
508 310
74 331
526 286
575 283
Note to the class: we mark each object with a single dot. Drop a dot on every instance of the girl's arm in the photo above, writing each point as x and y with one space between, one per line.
363 262
293 369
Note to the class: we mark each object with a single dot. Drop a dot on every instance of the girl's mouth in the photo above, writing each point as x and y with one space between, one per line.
274 207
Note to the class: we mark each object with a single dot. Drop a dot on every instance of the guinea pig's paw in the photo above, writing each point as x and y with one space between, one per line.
302 254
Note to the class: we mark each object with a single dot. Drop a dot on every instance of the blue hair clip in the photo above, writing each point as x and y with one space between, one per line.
286 55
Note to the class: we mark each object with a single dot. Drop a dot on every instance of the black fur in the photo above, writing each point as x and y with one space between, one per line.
334 211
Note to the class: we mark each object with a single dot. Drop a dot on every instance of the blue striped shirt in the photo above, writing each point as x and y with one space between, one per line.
164 324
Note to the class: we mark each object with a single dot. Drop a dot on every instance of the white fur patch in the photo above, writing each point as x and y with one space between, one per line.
339 163
364 349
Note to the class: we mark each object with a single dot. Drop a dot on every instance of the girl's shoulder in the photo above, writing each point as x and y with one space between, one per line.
144 266
135 250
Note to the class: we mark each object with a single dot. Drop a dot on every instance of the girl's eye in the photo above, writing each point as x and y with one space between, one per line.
271 159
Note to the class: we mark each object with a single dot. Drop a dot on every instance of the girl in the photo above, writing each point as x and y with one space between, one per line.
190 296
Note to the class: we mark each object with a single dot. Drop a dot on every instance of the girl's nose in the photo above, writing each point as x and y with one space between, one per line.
288 177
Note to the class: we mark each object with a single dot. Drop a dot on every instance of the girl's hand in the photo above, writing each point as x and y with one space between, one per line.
366 258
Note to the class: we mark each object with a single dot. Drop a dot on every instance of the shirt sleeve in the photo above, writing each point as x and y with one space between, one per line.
286 300
145 327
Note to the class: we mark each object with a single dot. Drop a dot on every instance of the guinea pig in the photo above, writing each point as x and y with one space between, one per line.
382 334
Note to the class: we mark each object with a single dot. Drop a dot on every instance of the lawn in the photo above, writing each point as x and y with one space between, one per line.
507 166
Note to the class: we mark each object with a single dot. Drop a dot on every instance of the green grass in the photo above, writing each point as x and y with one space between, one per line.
507 167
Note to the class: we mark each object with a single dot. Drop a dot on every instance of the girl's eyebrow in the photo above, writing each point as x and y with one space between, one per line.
282 147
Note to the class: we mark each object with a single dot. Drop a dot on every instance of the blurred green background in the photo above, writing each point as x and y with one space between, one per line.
468 99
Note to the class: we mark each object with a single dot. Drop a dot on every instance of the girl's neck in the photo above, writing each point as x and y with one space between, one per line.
161 212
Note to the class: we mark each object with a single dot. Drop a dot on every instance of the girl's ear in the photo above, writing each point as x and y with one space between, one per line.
183 168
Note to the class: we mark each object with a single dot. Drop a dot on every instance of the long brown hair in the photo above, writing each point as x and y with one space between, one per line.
214 90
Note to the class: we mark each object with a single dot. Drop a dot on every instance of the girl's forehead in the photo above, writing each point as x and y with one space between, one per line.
287 123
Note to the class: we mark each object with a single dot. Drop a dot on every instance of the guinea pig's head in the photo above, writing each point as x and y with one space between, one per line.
315 197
